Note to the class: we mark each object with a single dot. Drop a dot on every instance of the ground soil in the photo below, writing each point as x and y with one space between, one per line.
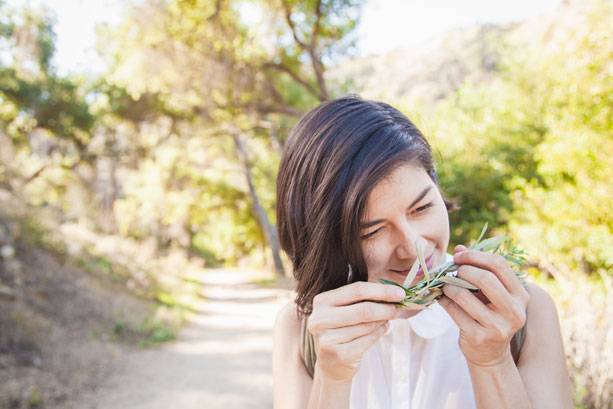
58 325
60 348
221 359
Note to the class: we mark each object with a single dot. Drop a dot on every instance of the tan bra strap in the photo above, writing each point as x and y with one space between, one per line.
518 341
307 351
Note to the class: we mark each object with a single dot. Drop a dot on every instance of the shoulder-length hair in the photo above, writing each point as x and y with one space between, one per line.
334 157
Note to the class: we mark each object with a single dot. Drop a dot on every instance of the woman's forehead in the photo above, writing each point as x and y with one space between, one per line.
404 184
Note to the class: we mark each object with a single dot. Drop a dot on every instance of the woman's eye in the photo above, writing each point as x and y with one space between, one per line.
372 234
424 207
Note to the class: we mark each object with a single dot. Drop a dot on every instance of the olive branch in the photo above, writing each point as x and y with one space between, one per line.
430 288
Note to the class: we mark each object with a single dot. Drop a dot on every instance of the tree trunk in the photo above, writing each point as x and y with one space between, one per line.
270 232
107 187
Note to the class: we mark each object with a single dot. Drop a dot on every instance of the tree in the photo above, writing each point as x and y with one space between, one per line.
244 82
36 103
530 150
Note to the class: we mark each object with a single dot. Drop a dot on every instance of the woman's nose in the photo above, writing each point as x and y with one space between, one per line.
405 244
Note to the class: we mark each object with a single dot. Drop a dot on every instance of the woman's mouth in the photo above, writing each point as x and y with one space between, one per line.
420 272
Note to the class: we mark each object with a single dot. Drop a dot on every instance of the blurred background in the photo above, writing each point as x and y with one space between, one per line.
139 144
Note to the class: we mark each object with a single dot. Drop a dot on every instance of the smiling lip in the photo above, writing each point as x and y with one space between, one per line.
429 263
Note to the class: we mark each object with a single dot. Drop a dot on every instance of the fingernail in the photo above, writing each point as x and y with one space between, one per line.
400 292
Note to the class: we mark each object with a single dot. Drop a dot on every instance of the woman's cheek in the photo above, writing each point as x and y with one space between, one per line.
374 254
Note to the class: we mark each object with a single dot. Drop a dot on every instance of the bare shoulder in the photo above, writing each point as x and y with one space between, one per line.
541 320
541 306
539 296
287 323
292 384
286 334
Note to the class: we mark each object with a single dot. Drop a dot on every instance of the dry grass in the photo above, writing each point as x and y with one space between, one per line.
586 313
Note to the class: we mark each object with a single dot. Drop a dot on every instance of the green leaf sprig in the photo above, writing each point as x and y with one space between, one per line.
430 288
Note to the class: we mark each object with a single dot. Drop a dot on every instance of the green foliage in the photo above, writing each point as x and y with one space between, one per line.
157 332
531 150
35 399
30 88
100 264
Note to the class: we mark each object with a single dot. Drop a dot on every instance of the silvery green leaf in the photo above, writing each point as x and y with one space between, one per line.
433 295
457 282
480 236
514 261
420 255
491 243
412 274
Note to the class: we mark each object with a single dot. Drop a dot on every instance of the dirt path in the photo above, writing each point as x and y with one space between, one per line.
222 359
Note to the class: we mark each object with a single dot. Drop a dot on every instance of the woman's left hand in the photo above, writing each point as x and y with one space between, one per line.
486 325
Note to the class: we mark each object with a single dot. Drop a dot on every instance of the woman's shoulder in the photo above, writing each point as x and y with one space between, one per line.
542 323
289 372
287 324
541 303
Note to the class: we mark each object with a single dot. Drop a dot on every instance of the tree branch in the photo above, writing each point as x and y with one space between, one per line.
36 174
266 108
276 94
295 77
292 26
275 108
310 48
318 67
315 60
317 25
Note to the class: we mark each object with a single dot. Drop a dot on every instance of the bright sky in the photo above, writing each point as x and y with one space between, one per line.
396 24
386 24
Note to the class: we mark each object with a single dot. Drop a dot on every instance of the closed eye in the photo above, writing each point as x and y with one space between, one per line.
424 207
372 234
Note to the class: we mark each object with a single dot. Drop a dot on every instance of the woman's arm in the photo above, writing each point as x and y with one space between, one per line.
541 373
542 362
486 330
293 387
292 383
343 328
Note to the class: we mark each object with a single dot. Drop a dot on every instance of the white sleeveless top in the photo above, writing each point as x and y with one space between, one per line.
417 364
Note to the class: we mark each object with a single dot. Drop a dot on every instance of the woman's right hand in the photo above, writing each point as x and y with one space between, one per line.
344 325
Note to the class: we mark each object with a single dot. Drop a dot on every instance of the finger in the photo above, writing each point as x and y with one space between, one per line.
471 305
348 334
494 263
464 321
489 285
360 291
459 248
354 314
361 344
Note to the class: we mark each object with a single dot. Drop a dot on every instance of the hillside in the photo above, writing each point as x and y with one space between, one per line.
436 68
61 325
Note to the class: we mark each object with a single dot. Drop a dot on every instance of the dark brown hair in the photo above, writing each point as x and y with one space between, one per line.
333 158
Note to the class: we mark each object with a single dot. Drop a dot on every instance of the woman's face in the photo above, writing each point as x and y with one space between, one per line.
401 209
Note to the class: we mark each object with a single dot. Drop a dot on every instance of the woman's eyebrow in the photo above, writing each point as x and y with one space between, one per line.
368 224
371 223
421 196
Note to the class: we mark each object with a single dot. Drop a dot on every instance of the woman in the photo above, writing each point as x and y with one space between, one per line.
356 188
